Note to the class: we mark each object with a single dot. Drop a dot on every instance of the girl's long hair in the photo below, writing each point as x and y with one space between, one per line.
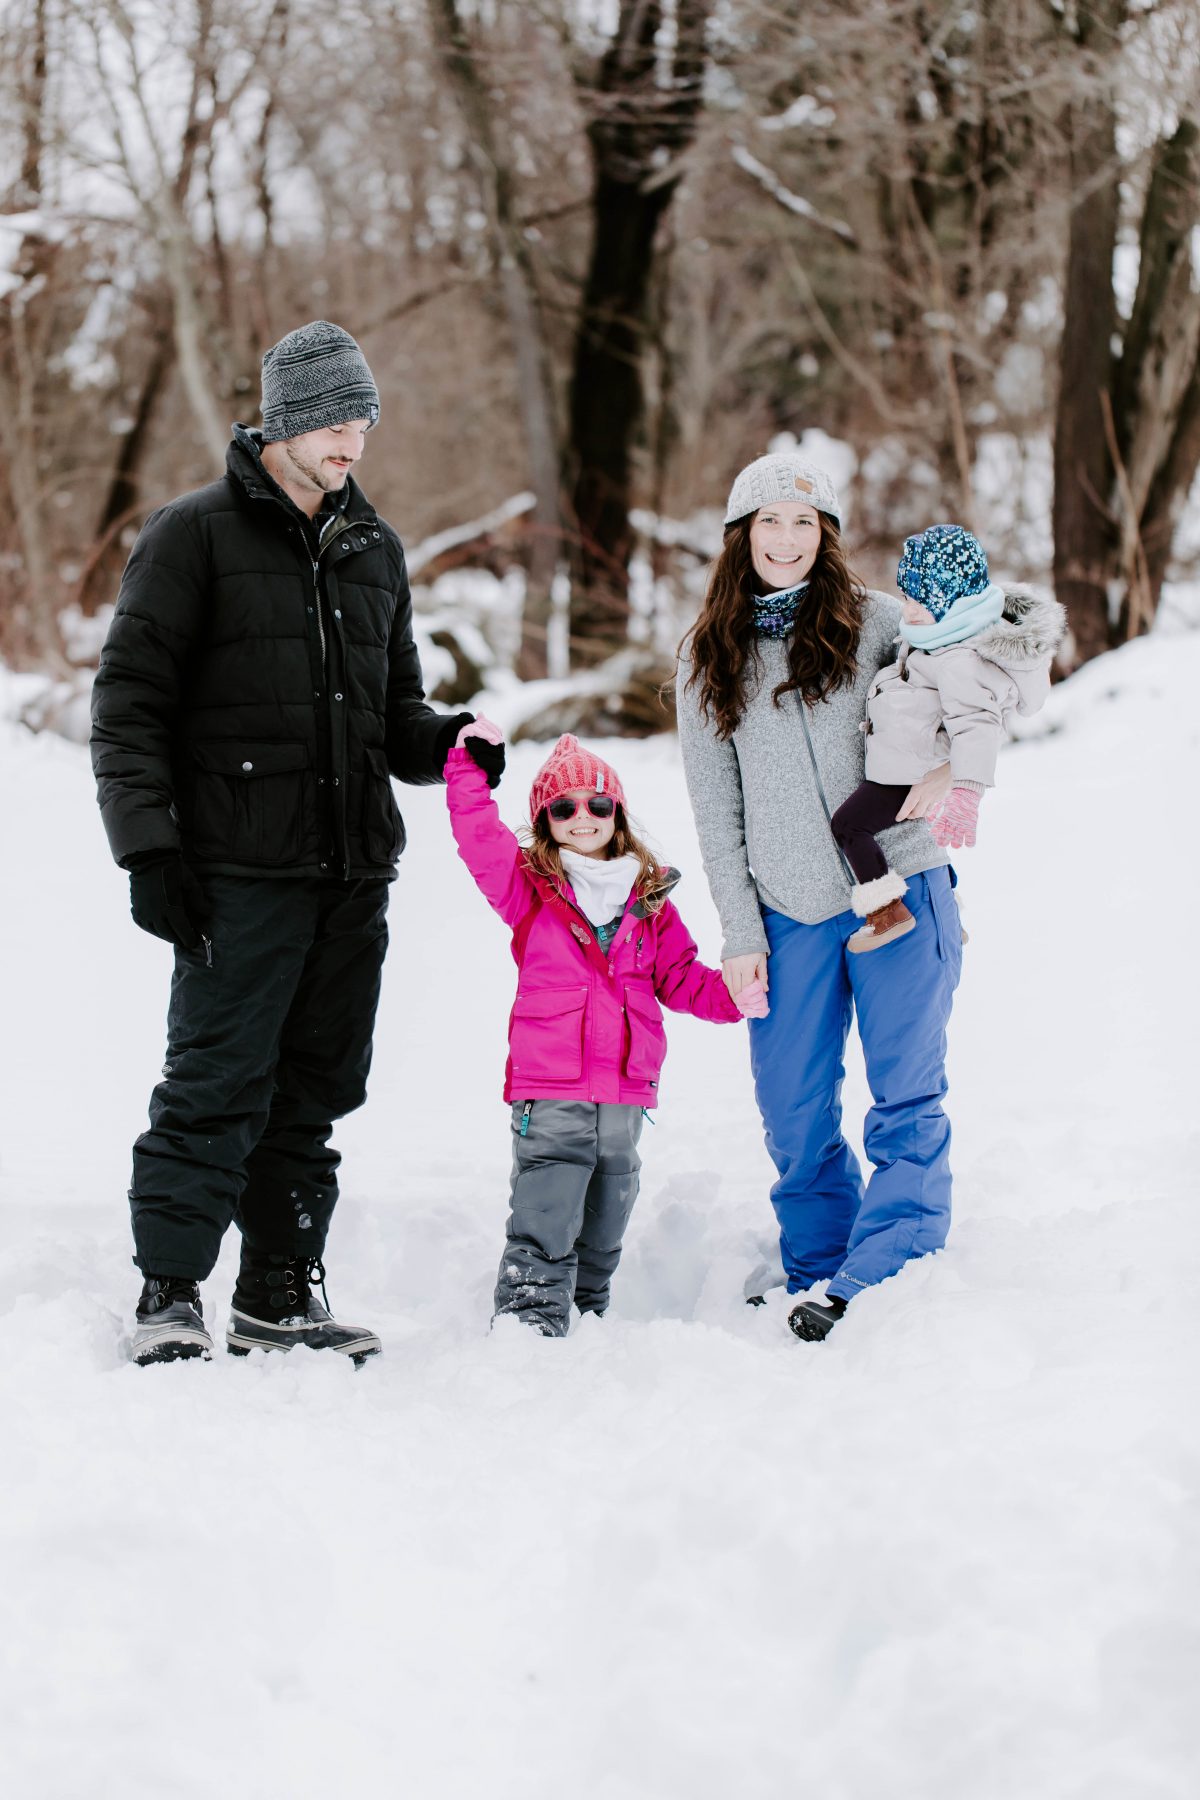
541 855
822 653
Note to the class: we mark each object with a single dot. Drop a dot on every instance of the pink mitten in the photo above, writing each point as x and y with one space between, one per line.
954 825
479 727
751 1000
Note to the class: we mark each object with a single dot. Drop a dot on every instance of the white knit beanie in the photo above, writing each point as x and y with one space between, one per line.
781 477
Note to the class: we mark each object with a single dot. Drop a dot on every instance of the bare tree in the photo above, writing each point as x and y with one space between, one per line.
513 262
642 103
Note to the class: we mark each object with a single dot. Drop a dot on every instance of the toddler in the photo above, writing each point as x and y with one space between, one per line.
971 654
598 944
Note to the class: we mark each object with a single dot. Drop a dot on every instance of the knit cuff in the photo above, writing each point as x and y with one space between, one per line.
974 787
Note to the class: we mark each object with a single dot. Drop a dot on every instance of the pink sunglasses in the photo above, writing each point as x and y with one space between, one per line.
601 806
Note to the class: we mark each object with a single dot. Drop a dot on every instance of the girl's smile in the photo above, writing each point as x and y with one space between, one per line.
585 833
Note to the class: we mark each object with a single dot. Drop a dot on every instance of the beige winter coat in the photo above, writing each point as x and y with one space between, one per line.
954 703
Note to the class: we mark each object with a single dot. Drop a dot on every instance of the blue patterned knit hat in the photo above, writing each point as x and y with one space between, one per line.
940 566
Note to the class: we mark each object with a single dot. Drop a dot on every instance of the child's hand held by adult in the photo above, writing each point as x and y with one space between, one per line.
954 826
483 741
751 1000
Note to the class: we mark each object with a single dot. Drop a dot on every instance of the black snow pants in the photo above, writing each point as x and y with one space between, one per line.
268 1044
574 1182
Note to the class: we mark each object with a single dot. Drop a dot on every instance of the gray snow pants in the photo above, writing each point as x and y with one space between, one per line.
574 1182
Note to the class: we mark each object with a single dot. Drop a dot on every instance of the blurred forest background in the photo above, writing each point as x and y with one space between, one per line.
600 253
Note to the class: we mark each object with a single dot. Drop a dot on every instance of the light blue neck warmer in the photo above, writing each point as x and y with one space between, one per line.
969 614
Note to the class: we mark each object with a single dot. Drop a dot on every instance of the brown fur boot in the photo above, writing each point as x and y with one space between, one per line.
881 904
891 921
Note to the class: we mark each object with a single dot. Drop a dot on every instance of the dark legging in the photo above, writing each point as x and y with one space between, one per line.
871 807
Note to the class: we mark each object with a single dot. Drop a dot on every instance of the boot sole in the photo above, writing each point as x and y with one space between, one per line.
813 1329
357 1349
877 943
173 1349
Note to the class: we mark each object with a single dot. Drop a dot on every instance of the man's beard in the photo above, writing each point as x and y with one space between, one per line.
328 483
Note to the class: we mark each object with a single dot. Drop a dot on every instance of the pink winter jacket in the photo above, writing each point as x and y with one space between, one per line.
584 1026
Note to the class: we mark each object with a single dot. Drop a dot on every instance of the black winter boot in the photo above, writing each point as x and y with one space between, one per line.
170 1322
815 1319
274 1308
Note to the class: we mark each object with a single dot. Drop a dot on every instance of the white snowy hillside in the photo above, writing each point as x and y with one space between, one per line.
950 1554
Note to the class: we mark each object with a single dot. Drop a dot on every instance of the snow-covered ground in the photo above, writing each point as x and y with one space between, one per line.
951 1554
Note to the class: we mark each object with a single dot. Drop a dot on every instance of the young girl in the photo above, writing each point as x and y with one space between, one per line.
971 654
598 944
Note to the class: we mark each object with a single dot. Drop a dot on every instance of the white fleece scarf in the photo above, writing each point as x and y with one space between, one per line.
601 887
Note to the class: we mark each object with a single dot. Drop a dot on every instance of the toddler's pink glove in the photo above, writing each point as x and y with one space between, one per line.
954 825
751 1001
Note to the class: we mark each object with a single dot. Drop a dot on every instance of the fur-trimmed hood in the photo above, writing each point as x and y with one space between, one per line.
1029 632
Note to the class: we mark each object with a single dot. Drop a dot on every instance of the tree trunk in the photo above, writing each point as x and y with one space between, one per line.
1157 371
1083 468
639 128
123 500
518 292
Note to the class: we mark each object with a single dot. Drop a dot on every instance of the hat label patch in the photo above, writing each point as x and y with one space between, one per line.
806 487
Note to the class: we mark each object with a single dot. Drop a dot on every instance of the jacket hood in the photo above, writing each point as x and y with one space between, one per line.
1029 631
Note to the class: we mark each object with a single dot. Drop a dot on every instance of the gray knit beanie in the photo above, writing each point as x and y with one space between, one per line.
315 376
783 476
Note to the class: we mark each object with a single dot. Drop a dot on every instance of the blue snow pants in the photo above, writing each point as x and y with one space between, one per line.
829 1225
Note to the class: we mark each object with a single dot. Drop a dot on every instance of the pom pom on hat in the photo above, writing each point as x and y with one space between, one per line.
942 565
780 477
569 766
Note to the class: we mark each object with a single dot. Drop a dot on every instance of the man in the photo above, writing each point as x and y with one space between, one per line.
258 685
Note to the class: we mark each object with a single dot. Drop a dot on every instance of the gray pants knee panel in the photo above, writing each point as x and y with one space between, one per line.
574 1182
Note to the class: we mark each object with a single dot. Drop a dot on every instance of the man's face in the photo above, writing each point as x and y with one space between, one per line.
323 459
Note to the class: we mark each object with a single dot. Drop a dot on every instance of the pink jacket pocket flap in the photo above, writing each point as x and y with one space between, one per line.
547 1034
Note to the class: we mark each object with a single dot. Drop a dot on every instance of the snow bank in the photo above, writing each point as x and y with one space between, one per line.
951 1554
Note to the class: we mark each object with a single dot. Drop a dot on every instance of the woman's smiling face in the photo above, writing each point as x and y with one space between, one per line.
784 541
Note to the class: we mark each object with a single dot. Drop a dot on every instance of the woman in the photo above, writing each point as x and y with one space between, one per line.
772 686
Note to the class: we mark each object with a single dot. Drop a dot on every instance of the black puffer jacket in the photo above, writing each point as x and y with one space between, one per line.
254 693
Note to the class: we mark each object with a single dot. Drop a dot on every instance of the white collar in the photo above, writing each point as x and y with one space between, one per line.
601 886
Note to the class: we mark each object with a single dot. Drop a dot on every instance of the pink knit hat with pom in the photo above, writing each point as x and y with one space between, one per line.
569 766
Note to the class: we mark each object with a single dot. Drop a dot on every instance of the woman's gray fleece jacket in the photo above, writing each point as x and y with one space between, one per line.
763 798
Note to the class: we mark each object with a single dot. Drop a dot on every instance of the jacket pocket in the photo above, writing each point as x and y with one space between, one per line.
547 1035
249 801
647 1040
382 826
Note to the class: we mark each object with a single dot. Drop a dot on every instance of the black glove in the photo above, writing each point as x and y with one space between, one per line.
490 758
447 731
167 900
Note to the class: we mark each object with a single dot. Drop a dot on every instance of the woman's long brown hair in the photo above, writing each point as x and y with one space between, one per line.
541 855
822 653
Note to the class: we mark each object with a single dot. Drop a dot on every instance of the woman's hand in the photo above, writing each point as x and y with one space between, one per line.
739 971
926 795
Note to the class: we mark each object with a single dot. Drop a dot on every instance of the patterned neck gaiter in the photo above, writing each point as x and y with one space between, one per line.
775 614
